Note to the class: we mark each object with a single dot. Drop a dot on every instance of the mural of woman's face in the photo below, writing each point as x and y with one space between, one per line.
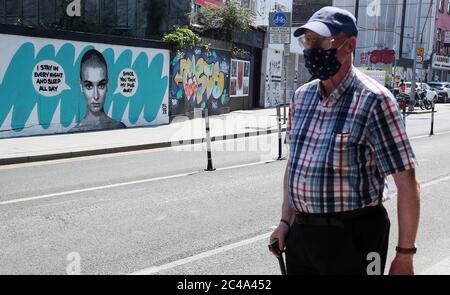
94 85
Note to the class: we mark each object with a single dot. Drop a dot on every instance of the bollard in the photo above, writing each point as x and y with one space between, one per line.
432 118
208 143
280 137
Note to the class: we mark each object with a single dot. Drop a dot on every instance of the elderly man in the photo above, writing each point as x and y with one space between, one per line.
346 137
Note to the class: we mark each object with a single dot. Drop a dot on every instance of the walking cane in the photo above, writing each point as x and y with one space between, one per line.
274 248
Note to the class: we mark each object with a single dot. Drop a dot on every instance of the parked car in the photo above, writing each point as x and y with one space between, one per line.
442 89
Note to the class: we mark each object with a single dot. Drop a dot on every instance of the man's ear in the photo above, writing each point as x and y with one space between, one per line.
351 44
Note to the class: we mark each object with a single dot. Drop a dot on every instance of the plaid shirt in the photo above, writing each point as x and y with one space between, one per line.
343 146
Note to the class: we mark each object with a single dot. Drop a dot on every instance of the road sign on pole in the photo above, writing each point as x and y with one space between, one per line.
279 27
419 58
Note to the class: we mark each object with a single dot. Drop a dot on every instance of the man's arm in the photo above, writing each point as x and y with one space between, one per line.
280 233
408 208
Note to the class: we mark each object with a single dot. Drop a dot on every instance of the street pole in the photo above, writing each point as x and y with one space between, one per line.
394 74
415 42
402 30
285 57
356 17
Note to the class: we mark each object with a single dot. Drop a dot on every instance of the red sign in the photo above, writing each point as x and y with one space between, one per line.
385 56
209 2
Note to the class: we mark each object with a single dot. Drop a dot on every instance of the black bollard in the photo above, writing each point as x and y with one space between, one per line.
280 137
208 143
432 118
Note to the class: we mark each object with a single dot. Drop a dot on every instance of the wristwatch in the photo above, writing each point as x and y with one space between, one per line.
412 250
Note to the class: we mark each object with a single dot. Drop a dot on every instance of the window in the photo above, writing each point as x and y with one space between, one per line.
249 4
448 6
11 12
438 41
441 5
196 8
120 14
240 78
91 11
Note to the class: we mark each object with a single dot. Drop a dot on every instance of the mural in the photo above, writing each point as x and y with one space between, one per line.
273 85
56 86
199 79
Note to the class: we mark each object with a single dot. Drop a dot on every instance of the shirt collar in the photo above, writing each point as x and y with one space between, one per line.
339 90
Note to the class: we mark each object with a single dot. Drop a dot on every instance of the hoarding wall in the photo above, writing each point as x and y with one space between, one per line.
52 86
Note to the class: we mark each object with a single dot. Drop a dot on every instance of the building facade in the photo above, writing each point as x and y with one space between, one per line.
440 64
144 19
387 30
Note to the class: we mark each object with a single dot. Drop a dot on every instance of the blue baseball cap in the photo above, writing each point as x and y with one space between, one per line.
329 21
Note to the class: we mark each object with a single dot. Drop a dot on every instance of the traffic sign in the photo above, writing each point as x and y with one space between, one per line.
279 27
420 51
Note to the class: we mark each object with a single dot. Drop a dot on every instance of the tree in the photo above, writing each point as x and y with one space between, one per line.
181 38
226 19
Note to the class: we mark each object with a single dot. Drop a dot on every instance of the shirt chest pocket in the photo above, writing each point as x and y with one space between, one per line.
341 153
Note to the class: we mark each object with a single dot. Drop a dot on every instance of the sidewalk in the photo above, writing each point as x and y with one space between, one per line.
181 131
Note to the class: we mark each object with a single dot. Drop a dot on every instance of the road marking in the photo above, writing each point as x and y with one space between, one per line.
435 181
156 269
425 184
247 165
440 268
72 192
426 136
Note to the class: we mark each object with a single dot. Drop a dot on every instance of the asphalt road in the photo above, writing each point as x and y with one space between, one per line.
159 212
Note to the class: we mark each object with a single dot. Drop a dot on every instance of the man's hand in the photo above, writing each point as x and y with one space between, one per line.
402 265
280 234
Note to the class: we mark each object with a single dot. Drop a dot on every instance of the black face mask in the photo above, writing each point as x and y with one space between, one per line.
322 64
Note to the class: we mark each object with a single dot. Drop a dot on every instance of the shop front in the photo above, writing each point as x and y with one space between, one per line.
441 68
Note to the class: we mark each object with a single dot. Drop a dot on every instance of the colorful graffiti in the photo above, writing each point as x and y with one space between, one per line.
199 79
40 85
